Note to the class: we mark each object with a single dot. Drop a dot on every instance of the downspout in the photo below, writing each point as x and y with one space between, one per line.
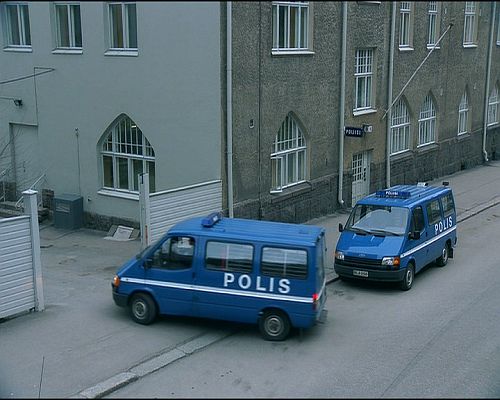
488 74
342 101
229 111
389 98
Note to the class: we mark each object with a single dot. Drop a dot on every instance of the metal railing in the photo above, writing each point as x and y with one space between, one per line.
2 174
33 187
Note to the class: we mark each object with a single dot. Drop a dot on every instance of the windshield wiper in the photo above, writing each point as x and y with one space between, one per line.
359 230
385 232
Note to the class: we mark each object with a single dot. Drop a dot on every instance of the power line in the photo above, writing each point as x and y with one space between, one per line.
28 76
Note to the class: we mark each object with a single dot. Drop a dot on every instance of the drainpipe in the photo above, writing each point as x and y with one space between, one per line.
229 111
389 98
488 73
342 101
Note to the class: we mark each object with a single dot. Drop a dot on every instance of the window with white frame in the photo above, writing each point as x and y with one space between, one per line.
493 107
498 28
290 25
68 26
433 16
427 122
463 115
400 127
125 154
405 27
288 158
470 24
123 26
17 23
363 74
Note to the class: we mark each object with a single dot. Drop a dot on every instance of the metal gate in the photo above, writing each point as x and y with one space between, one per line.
20 266
160 211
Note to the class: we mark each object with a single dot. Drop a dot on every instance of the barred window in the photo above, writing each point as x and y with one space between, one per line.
229 257
463 115
126 153
284 263
288 158
493 107
427 122
400 128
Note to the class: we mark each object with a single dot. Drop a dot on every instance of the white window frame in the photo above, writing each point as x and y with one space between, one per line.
289 151
427 123
125 33
470 24
23 26
364 80
122 143
285 33
463 115
406 25
493 104
433 13
72 29
400 128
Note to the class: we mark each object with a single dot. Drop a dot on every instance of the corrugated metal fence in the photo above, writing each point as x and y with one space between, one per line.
20 269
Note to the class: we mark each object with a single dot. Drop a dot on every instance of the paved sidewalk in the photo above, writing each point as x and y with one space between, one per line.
81 345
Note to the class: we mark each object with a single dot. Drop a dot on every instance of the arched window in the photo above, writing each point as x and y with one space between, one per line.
126 153
463 115
400 128
288 158
427 122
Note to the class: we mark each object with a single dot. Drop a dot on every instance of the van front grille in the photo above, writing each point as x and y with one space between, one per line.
360 262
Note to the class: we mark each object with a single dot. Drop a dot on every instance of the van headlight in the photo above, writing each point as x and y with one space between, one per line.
392 261
339 255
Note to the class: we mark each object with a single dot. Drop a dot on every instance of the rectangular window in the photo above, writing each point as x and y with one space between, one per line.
364 79
433 212
463 113
433 16
284 263
232 257
69 27
448 205
493 108
470 24
108 171
290 25
18 25
122 168
405 26
123 26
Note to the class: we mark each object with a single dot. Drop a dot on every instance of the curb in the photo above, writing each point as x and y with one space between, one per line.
476 210
152 365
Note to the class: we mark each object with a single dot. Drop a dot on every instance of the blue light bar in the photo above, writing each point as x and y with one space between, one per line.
211 219
394 194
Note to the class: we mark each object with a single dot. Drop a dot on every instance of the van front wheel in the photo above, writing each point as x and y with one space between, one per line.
407 281
142 308
274 325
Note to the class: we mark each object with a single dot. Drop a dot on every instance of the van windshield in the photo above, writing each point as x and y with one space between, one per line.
378 220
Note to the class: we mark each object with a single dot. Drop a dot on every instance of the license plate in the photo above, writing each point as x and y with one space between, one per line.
356 272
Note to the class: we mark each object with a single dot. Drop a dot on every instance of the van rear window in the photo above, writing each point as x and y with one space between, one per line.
232 257
284 263
447 203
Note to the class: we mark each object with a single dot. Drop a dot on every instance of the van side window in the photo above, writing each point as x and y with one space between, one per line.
448 205
175 253
417 220
284 263
234 257
433 212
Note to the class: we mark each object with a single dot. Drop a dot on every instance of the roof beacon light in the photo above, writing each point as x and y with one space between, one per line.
395 194
422 184
211 219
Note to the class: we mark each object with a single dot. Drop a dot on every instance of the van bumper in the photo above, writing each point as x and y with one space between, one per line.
120 300
373 274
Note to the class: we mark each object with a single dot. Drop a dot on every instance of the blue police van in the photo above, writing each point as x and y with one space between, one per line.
392 234
267 273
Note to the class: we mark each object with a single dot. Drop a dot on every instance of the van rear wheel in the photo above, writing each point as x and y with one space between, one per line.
445 253
274 325
142 308
407 281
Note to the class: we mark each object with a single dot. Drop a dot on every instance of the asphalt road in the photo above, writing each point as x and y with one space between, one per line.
440 339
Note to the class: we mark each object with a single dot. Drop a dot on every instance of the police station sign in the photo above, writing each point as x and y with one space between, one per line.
353 131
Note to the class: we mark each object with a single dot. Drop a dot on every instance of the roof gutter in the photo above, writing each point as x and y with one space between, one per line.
342 102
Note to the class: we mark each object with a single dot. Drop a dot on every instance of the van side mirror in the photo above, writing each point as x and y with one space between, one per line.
148 262
341 227
414 235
